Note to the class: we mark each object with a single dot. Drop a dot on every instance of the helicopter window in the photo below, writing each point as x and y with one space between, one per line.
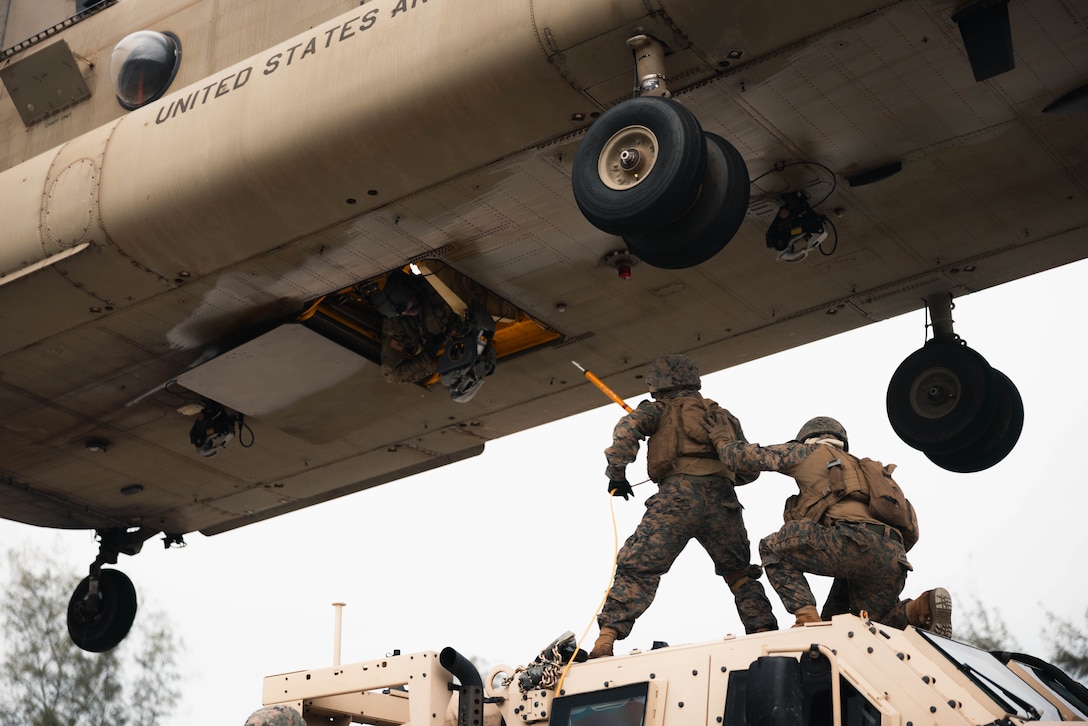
143 65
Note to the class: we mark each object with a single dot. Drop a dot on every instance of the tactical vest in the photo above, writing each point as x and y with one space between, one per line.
830 475
681 444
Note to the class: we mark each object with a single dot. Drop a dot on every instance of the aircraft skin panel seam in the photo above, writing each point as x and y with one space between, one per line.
65 503
462 135
342 491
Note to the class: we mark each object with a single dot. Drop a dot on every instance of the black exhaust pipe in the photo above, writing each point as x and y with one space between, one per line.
470 705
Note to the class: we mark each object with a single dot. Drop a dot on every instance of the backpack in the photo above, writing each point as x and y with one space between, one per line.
864 479
887 502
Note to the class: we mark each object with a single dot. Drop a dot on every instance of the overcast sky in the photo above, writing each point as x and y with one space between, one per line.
498 555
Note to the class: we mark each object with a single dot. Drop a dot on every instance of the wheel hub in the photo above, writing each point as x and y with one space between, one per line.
935 393
627 158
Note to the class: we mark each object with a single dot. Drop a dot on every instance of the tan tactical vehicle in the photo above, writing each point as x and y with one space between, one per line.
846 672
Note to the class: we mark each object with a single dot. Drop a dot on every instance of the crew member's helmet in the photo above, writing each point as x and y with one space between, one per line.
823 426
276 716
400 292
672 371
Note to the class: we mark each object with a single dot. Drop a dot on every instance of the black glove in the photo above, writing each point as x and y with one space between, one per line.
620 488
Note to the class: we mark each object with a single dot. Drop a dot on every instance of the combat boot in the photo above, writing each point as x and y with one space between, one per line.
806 614
603 647
932 611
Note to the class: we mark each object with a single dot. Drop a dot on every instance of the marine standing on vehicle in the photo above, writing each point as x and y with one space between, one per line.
695 498
849 520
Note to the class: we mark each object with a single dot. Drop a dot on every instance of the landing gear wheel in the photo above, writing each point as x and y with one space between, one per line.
997 440
639 166
710 223
98 626
939 398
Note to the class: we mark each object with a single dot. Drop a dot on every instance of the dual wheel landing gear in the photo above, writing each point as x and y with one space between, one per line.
103 607
647 172
946 401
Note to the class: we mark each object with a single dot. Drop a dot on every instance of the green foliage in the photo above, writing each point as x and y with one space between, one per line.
1069 645
48 681
984 629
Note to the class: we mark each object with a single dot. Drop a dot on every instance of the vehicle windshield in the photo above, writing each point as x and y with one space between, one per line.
1011 693
1049 679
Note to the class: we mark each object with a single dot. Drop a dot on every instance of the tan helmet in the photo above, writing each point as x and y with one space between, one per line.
823 426
670 372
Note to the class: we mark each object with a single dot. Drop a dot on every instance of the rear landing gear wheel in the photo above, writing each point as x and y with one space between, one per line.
710 223
939 399
639 166
98 622
997 440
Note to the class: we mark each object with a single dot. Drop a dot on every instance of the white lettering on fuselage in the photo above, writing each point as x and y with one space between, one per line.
326 39
199 97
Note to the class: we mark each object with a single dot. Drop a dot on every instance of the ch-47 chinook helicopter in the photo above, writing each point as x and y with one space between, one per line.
202 202
842 672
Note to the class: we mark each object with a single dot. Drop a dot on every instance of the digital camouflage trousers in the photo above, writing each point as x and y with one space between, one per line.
686 507
869 570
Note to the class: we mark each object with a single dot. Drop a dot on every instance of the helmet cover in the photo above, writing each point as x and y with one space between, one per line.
673 371
823 426
399 293
276 716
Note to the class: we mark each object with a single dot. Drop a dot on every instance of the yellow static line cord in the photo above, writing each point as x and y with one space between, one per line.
611 577
615 530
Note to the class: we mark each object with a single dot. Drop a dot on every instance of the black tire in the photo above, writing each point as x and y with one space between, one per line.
997 440
100 629
710 223
939 398
661 188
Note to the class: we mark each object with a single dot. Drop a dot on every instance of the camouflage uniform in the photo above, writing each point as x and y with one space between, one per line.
695 499
869 567
420 336
870 571
839 599
275 716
